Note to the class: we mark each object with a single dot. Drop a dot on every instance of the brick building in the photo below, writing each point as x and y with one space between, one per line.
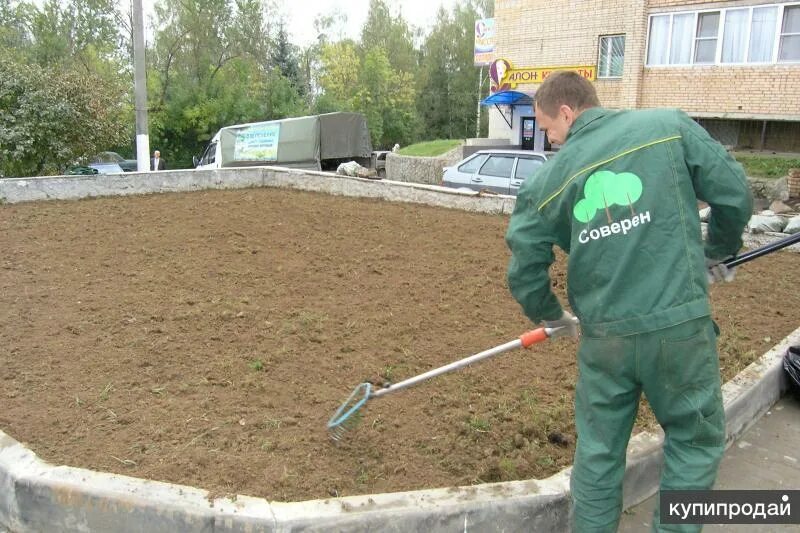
733 65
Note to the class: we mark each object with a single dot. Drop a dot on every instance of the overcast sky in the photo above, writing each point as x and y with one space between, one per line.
301 14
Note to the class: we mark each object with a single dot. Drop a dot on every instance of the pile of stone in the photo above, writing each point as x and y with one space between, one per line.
779 218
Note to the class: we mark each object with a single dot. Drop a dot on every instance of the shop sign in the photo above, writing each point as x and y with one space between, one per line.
505 76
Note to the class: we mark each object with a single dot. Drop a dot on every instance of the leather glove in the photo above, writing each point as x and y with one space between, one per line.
717 272
567 323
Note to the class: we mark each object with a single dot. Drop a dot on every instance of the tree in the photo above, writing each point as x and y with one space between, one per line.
383 30
283 57
77 34
339 76
448 81
214 63
51 118
386 97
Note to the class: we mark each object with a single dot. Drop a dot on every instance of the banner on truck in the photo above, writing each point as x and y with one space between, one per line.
257 143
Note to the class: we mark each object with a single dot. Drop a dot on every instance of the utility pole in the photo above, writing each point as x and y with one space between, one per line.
478 121
140 89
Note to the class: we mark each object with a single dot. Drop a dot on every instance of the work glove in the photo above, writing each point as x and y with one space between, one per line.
717 271
567 323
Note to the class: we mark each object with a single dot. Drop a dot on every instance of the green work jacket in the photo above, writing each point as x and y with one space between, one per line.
620 198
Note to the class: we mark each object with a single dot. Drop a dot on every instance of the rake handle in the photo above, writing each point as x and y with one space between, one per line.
764 250
524 341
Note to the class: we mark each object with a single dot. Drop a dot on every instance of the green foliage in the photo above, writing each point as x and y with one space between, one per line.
50 118
365 77
386 98
448 83
339 78
430 148
283 57
767 166
216 64
383 30
79 34
213 63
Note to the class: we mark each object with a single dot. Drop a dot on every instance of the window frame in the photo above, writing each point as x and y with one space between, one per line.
781 35
472 160
482 170
778 35
610 37
210 154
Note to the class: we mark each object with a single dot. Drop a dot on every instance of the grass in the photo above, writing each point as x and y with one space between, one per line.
767 165
478 424
430 148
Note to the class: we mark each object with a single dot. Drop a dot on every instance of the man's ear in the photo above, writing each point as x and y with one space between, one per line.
568 113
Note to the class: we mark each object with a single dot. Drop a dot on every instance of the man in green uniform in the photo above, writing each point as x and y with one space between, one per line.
620 197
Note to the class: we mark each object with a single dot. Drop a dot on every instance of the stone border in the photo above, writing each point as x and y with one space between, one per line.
37 496
16 190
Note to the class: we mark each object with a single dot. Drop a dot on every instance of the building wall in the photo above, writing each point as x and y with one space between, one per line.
732 92
739 92
551 33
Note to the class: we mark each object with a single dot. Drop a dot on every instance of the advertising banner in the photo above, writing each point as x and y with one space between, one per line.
257 143
484 42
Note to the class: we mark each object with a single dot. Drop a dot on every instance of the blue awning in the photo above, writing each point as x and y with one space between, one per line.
508 98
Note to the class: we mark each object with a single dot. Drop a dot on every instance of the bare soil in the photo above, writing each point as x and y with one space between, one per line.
206 338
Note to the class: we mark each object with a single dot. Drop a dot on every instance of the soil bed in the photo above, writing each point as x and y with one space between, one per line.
206 338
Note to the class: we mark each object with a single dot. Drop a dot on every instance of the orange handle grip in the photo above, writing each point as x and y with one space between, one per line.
532 337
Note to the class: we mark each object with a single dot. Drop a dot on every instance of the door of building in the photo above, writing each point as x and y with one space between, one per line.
528 133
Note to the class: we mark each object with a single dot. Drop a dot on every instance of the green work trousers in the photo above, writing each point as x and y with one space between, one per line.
677 368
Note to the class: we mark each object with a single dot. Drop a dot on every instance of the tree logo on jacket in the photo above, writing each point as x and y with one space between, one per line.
604 189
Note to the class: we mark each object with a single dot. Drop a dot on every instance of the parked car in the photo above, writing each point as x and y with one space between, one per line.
106 168
128 165
500 171
378 161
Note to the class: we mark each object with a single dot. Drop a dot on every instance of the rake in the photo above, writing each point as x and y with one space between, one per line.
349 414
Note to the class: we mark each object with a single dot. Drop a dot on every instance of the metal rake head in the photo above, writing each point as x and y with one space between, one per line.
347 416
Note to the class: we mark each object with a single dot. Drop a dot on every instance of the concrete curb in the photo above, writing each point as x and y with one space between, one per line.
36 496
16 190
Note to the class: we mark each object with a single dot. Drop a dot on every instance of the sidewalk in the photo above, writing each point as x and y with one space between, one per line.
766 457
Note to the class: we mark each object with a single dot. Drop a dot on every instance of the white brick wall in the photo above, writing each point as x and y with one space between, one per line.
551 33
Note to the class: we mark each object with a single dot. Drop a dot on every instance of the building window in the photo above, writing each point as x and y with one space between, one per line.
705 46
659 40
741 35
680 52
762 34
611 57
734 40
790 35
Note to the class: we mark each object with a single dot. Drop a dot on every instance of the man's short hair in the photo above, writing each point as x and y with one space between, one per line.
565 88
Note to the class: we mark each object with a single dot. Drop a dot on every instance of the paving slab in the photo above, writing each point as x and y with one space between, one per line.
765 457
